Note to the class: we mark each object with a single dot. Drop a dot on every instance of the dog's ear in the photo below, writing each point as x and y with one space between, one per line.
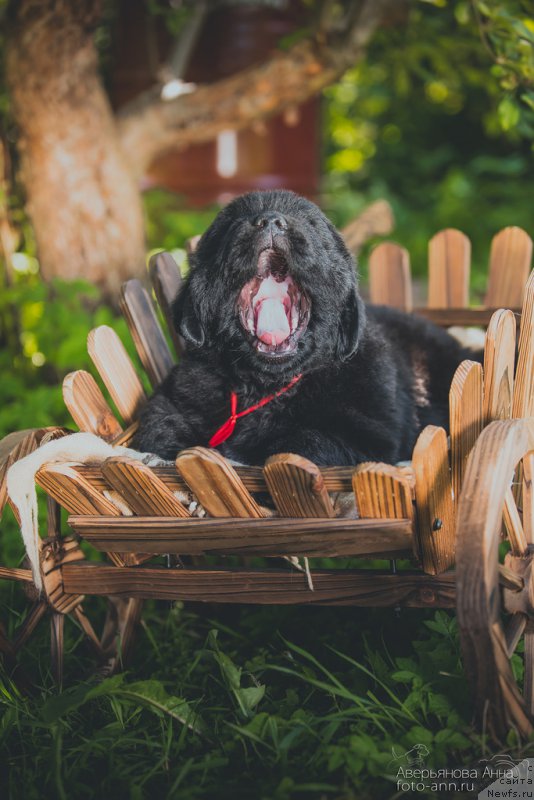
187 318
351 325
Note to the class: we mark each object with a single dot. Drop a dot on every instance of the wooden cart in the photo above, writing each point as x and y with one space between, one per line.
455 504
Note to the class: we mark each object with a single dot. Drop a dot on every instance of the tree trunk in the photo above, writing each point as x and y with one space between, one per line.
81 194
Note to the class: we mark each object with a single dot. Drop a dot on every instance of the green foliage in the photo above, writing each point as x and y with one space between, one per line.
434 121
323 721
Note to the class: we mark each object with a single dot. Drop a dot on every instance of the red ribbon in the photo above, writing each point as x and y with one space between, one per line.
226 430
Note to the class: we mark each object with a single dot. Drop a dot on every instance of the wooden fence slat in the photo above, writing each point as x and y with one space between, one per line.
166 281
297 487
148 337
499 358
117 371
216 484
72 491
434 506
523 402
335 587
382 491
143 491
449 261
390 280
88 407
466 418
510 257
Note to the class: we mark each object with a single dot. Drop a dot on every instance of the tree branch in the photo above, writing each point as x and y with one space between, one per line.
150 126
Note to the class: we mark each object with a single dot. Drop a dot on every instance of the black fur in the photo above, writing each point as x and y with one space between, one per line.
372 377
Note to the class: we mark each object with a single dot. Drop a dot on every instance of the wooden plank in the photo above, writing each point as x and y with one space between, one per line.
297 487
523 402
449 261
117 371
88 407
273 536
331 587
382 491
434 507
390 280
510 257
463 317
466 418
216 484
142 490
499 359
167 281
148 337
336 479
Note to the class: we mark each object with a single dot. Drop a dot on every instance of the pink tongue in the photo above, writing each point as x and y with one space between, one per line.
272 326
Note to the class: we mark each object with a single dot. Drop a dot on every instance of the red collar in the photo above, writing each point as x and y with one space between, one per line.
225 431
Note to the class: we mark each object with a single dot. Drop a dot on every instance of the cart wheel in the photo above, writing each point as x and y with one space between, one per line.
111 647
495 601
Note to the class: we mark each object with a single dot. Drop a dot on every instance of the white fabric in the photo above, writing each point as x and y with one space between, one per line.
82 448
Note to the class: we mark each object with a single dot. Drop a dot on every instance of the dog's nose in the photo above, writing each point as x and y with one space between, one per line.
276 222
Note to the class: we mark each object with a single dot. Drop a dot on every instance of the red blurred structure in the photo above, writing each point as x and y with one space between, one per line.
283 152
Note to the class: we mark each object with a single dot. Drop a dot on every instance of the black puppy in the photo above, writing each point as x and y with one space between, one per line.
275 327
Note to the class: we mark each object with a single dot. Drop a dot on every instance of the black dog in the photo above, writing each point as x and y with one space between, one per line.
271 307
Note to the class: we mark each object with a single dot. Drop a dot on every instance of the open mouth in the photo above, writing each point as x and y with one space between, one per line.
273 308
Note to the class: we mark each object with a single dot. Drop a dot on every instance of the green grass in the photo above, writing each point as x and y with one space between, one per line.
242 702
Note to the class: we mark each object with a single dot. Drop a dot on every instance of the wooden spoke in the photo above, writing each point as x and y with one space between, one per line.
466 420
117 371
86 626
510 579
510 257
390 281
513 525
15 574
529 672
167 281
514 631
57 646
449 260
499 358
88 407
297 487
148 337
120 626
216 484
33 618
